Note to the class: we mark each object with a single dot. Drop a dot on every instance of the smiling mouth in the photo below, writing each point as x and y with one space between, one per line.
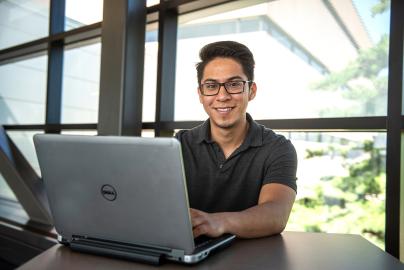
224 110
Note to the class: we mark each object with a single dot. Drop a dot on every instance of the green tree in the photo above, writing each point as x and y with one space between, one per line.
350 204
380 7
364 80
363 175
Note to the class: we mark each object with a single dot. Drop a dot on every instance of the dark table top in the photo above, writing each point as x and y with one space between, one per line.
290 250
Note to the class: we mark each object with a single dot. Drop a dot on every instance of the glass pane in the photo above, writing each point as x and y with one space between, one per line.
80 13
80 132
313 58
148 133
5 190
22 101
81 83
150 74
341 183
25 143
22 21
150 3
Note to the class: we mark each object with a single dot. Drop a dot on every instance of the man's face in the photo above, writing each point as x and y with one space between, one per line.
226 110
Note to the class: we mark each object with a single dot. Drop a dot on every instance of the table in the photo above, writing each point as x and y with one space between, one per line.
290 250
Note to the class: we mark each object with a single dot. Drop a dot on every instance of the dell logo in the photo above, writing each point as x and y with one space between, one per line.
108 192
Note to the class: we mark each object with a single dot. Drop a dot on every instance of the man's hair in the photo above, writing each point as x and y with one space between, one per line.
226 49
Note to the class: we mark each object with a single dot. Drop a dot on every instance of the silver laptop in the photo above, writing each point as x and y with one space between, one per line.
121 196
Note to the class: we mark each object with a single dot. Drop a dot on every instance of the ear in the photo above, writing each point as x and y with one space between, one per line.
252 91
200 95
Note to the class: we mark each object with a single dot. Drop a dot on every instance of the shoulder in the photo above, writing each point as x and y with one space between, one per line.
273 139
276 146
190 135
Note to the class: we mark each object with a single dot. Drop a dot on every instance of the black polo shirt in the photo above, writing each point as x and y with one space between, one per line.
217 184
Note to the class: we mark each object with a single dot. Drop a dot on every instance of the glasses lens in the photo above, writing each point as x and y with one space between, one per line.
210 88
234 86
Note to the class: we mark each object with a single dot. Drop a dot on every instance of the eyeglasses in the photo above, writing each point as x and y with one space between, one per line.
231 87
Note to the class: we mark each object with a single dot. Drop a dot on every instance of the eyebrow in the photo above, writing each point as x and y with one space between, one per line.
228 79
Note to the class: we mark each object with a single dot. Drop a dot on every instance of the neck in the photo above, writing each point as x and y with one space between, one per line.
229 139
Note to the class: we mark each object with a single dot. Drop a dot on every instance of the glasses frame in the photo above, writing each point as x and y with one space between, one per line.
224 85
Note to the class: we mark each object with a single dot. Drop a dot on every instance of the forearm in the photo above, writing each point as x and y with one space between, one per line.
261 220
268 217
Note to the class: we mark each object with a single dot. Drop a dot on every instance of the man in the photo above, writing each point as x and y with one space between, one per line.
241 176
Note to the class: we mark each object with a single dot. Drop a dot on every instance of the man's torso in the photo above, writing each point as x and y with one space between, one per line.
217 184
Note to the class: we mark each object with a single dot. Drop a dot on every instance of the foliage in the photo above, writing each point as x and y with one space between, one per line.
380 7
311 153
369 64
362 179
351 204
364 80
354 203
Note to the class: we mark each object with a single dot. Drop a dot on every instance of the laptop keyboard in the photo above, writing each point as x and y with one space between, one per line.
202 240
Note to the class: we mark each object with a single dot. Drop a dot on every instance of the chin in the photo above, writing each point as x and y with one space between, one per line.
224 124
224 121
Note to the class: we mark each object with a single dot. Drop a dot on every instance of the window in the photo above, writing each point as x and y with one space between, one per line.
22 21
24 141
81 82
23 101
81 13
5 190
313 58
150 74
80 132
341 183
150 3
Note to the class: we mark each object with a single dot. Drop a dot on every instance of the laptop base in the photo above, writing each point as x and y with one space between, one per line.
143 253
120 250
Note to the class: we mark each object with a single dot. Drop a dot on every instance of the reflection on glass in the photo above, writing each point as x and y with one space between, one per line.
5 190
150 3
80 132
22 101
81 13
23 140
313 58
148 133
150 74
341 183
22 21
81 79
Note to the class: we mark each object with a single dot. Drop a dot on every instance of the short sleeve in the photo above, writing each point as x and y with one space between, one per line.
281 165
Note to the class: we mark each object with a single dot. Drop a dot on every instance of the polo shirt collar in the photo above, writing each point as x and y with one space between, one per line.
253 138
203 134
254 134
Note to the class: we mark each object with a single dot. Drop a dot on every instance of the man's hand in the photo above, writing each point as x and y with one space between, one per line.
267 218
212 225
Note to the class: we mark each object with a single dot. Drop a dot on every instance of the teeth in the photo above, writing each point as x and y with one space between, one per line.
224 109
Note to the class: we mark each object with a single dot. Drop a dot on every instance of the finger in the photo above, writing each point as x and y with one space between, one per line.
193 213
196 212
199 230
196 221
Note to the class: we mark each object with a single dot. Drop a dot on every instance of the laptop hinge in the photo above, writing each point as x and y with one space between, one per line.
126 251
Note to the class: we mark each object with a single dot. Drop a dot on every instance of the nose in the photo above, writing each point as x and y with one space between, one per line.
223 94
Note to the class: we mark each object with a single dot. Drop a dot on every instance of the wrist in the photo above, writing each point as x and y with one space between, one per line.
227 222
